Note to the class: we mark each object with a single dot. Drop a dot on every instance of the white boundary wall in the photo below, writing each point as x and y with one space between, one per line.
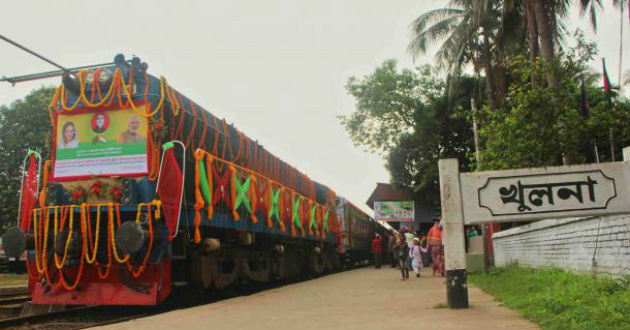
568 244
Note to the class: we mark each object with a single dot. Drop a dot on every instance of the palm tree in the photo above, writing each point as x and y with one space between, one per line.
453 26
465 37
544 20
541 24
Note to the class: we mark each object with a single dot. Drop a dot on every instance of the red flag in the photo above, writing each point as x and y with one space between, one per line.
170 191
29 194
607 84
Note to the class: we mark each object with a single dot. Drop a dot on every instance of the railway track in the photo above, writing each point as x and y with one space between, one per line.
12 302
14 297
76 318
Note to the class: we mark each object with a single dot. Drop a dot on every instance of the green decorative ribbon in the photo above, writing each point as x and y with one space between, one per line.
168 145
296 214
313 222
241 191
273 210
205 189
326 221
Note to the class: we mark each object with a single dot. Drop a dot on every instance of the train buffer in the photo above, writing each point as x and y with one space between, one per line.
362 299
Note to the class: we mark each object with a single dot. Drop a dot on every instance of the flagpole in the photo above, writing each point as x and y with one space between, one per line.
621 19
608 96
612 145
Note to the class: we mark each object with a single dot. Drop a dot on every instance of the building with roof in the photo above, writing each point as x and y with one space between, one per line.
423 212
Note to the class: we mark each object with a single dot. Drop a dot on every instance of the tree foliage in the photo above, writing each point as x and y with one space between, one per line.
542 125
533 75
386 102
24 124
408 115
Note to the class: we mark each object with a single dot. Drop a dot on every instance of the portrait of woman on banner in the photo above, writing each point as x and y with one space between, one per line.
69 136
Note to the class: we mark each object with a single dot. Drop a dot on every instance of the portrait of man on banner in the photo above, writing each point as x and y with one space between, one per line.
132 134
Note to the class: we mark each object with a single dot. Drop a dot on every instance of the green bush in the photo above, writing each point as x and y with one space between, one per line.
561 300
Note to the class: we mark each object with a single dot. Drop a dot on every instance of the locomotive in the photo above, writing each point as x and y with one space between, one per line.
146 191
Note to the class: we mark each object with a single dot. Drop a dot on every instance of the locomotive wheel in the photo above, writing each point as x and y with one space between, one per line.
258 265
226 269
277 267
318 261
202 270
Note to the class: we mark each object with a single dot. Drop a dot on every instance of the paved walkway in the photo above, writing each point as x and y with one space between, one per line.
362 299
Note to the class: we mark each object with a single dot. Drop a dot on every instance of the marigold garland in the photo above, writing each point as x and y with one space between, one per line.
89 252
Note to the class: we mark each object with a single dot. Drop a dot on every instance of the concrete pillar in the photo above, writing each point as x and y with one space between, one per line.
453 237
626 154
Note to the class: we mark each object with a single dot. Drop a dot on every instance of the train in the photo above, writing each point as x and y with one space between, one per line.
146 191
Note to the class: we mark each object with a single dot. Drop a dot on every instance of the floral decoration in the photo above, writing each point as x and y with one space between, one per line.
78 195
158 128
97 190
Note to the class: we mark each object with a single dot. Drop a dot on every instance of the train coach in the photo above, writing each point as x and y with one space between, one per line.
358 230
145 190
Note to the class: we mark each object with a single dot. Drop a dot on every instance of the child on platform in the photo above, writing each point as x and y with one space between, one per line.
415 253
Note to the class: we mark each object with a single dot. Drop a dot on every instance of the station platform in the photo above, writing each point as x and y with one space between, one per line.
366 299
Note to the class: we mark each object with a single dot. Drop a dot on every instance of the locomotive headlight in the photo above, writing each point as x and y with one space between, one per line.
105 77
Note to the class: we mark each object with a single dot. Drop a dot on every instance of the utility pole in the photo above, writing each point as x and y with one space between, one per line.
486 229
473 106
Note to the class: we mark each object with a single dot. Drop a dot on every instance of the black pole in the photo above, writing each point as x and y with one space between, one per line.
49 74
35 54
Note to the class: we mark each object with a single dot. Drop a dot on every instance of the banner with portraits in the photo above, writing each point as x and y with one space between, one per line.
101 143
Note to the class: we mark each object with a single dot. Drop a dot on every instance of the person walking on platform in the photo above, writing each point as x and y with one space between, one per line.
415 253
403 256
393 253
437 248
376 250
409 236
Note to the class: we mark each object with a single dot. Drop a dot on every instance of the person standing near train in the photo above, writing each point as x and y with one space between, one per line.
377 250
436 246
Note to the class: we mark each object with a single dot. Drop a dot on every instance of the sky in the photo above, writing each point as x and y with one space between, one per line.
275 68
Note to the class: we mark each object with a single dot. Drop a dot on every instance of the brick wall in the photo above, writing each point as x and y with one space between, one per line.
568 244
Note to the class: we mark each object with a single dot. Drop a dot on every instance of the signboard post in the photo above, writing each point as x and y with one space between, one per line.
522 195
454 245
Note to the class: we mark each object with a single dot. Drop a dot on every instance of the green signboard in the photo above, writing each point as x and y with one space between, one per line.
394 211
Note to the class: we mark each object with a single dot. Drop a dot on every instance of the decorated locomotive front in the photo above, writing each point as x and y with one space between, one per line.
146 190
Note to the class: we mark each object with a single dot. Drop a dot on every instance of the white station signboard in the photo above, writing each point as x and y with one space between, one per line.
537 193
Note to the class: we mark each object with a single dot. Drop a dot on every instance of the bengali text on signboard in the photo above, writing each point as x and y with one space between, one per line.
529 194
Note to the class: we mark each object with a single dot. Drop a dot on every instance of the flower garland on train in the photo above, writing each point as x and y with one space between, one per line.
256 181
63 218
98 189
237 187
119 93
